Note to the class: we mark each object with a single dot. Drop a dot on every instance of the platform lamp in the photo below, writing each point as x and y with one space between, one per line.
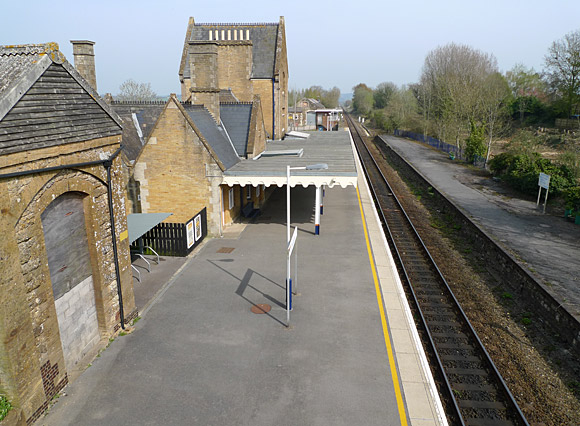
321 166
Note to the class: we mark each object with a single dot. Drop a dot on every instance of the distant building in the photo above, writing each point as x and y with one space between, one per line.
244 59
302 116
327 119
61 275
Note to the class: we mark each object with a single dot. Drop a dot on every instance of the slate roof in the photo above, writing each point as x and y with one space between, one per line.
213 133
312 103
236 119
138 120
263 37
45 102
16 60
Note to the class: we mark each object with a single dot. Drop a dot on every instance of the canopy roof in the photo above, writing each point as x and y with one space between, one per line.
332 148
139 224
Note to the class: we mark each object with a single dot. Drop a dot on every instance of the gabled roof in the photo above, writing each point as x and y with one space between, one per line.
236 119
312 103
263 36
22 65
213 133
45 102
138 118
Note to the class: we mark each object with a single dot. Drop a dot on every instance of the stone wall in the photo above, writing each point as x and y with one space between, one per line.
32 361
257 131
263 88
175 171
235 69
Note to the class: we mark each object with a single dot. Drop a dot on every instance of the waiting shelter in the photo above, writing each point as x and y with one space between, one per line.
270 168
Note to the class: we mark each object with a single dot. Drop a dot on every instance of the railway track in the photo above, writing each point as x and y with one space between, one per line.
472 390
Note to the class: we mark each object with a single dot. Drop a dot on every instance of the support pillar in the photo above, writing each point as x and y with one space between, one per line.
317 209
322 200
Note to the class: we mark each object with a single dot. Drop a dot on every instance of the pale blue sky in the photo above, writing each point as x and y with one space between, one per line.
329 42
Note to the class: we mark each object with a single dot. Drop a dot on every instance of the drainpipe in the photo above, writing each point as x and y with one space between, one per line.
107 164
274 109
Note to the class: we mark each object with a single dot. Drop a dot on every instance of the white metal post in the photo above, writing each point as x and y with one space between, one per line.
289 292
322 200
317 211
288 279
295 286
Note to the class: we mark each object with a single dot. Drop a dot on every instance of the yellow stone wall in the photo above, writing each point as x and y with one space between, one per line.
235 69
263 88
231 213
31 357
172 171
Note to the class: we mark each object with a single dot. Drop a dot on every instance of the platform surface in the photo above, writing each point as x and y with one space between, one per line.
200 356
547 244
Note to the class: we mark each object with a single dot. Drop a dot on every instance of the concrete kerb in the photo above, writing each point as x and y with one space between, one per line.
414 413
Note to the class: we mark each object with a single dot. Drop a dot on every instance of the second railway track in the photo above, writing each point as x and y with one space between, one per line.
471 387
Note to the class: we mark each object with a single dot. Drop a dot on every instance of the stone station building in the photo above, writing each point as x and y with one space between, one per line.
245 59
66 280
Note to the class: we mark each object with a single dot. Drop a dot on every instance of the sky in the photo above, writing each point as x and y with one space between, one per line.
330 43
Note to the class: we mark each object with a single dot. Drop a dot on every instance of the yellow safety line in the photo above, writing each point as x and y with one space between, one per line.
398 395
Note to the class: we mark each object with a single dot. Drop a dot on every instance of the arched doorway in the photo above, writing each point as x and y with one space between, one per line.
65 235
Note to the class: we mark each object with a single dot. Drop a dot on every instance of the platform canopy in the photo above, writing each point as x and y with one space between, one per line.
332 148
139 224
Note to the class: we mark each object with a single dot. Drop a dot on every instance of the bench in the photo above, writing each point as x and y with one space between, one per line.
249 211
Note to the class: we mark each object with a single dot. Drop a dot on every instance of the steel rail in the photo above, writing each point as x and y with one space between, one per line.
456 409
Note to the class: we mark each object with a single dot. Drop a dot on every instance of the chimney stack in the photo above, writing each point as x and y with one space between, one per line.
84 58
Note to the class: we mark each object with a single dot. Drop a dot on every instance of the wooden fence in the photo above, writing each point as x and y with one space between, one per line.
572 124
175 239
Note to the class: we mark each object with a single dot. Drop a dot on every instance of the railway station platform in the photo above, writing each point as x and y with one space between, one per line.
199 355
547 244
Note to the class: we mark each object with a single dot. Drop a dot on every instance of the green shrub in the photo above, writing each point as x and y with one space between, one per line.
521 171
572 196
475 143
5 407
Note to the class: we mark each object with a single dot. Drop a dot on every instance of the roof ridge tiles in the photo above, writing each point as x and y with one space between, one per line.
235 24
237 103
28 49
138 102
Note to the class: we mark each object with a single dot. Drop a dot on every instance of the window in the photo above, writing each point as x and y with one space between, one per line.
231 198
248 192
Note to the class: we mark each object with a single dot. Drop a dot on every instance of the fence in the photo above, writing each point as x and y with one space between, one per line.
441 146
175 239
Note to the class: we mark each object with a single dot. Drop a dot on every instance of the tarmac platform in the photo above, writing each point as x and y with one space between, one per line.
200 356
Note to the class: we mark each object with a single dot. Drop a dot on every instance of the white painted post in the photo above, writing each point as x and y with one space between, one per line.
295 286
288 279
317 211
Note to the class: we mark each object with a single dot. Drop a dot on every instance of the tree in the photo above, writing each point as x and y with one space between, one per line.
525 85
130 90
454 76
495 99
362 99
313 92
402 109
382 94
329 98
562 67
